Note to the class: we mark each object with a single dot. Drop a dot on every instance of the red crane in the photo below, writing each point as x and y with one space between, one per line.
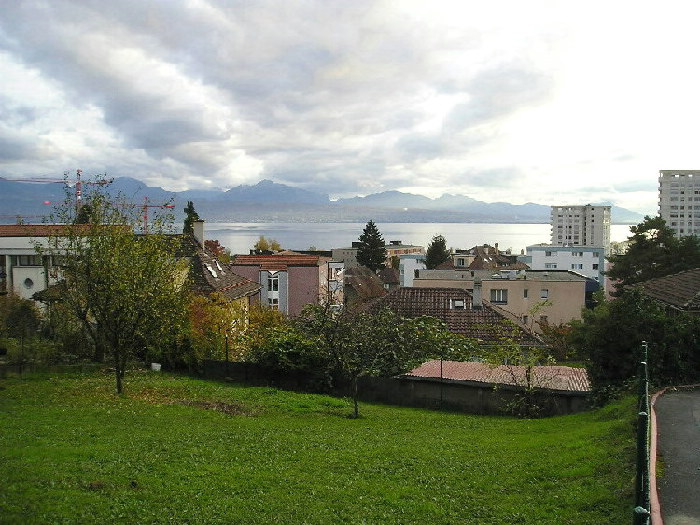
65 180
145 207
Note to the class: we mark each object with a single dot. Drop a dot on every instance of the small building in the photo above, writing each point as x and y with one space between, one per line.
408 268
393 249
23 270
290 281
532 296
485 257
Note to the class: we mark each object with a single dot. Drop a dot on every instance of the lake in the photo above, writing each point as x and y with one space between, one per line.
240 237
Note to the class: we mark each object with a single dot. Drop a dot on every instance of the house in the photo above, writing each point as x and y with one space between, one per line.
532 296
22 270
389 278
393 249
290 281
679 292
463 311
588 261
362 285
484 257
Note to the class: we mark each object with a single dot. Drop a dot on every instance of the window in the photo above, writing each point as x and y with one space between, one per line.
457 304
577 254
550 254
274 303
273 283
595 266
499 296
577 266
550 266
460 261
544 293
525 293
526 319
29 260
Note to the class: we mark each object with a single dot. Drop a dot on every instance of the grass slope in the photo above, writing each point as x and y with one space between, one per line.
178 450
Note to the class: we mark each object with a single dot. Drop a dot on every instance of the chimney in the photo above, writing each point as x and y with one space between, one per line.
198 230
477 303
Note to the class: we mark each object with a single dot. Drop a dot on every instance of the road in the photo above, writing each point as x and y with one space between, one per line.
678 479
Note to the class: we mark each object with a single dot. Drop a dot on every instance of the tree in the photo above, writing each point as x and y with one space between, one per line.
610 336
264 245
190 217
128 290
437 252
371 251
654 251
214 247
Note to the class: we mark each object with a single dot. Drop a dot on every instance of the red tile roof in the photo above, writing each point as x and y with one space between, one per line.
562 378
31 230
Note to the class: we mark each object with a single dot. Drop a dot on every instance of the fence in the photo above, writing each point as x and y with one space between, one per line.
642 510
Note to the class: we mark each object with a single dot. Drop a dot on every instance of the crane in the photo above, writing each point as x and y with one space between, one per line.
145 206
66 180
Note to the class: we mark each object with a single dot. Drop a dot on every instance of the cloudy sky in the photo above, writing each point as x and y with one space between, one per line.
552 102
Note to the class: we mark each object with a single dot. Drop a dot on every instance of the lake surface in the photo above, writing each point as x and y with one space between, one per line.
240 237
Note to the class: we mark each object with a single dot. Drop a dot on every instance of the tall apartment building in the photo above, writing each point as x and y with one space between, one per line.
679 200
581 226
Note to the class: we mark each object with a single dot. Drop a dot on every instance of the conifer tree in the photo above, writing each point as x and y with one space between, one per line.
190 216
437 252
371 252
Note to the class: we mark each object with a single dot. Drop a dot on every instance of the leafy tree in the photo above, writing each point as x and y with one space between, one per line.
371 251
263 245
437 252
190 217
359 344
610 336
127 290
214 247
654 251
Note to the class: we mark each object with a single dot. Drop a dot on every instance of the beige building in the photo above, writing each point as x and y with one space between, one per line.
393 249
679 200
532 296
581 226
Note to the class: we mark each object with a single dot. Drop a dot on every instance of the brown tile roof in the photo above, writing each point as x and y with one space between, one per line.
487 324
363 284
389 275
33 230
679 290
551 377
277 262
209 275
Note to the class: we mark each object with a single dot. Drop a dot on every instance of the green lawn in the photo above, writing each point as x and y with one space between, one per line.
178 450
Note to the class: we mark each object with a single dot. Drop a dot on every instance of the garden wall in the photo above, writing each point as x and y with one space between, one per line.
464 396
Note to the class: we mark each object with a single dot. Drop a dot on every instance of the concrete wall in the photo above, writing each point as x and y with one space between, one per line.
461 396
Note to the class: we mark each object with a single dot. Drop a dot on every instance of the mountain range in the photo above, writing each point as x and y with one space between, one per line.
269 201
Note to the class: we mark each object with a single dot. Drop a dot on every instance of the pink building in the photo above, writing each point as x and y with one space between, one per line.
291 281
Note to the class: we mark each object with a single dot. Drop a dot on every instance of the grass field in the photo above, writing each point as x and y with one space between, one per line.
179 450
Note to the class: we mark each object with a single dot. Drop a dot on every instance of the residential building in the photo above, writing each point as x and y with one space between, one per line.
532 296
679 200
361 286
464 312
291 281
393 249
588 261
581 226
22 270
485 257
408 268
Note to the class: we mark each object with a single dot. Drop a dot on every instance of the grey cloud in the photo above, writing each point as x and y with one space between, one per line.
419 147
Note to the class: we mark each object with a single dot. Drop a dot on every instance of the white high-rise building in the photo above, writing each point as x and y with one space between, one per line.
581 226
679 200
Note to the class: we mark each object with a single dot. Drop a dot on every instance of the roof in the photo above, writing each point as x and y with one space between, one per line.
680 290
363 283
35 230
277 261
389 275
563 378
209 275
454 307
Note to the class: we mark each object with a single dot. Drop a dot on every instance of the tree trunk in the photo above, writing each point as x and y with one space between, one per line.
354 398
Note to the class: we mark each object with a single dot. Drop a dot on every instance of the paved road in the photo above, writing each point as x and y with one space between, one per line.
678 429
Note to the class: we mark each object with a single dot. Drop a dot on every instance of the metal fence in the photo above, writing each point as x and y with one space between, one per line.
642 510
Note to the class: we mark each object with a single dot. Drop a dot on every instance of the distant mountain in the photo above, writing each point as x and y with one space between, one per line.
269 201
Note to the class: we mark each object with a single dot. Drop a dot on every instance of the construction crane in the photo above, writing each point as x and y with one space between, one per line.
145 206
65 180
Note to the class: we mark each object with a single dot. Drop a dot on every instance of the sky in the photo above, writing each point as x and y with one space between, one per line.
550 102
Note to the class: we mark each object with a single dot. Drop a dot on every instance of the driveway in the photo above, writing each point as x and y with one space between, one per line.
678 451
